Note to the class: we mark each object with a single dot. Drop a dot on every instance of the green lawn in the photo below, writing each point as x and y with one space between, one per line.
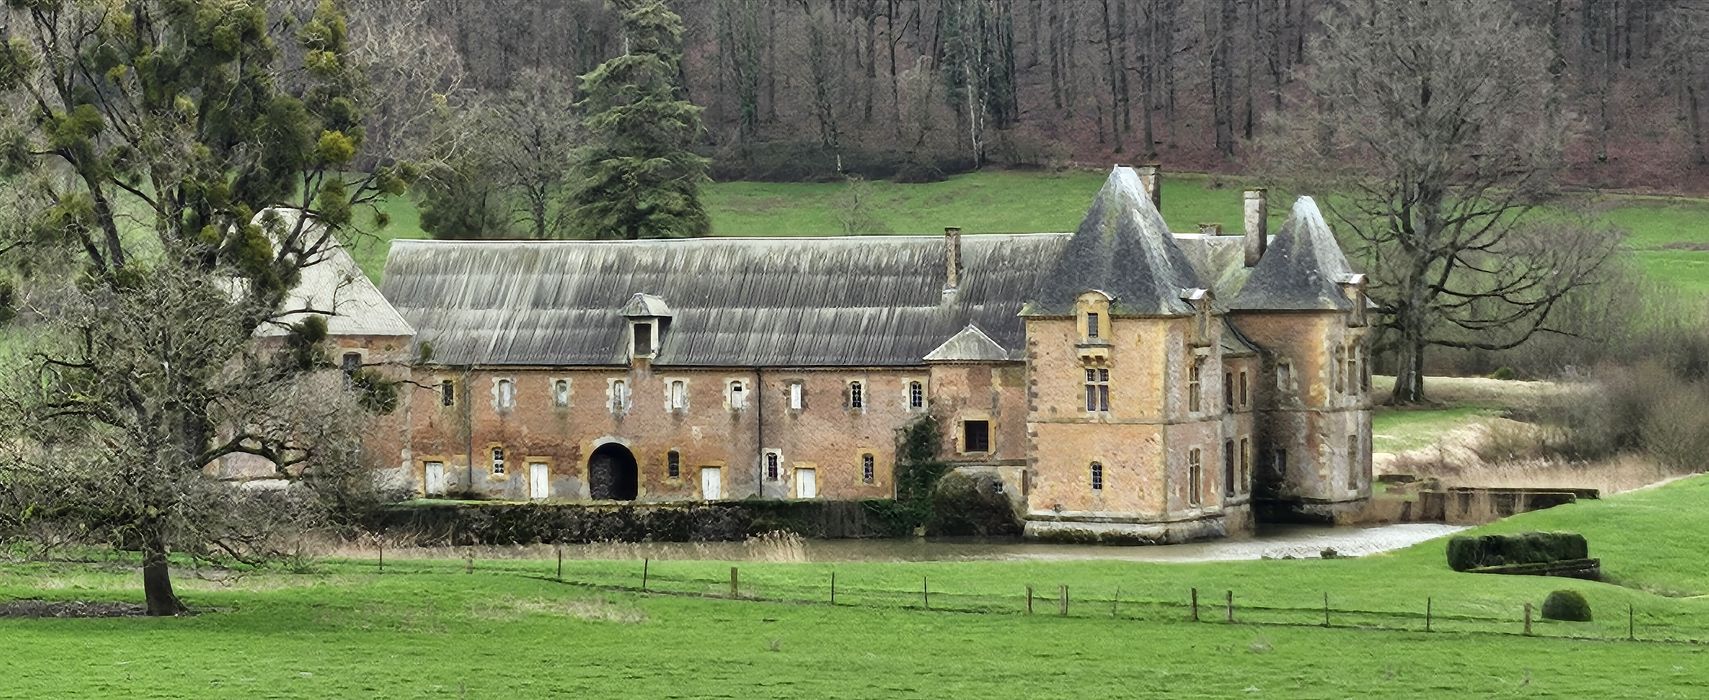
426 629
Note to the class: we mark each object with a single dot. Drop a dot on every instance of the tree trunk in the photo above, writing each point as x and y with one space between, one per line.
1409 373
157 574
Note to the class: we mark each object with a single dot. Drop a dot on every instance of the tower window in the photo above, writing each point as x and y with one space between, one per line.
673 464
561 393
1097 476
1227 392
506 394
1194 387
975 436
868 468
857 395
1195 475
1228 467
1341 357
1245 399
1097 390
1245 465
916 396
1354 462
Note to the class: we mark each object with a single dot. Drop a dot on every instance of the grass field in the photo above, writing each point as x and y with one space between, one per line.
427 629
1669 236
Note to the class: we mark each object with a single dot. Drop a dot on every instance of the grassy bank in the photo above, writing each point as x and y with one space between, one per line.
426 628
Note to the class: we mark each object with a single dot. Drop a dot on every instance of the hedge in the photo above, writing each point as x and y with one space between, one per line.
1467 552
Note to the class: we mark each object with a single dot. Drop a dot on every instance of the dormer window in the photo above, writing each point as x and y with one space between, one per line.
1353 287
649 317
1092 323
1092 317
1200 300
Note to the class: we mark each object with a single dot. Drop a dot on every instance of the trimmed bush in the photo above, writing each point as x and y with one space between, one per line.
1467 552
972 505
1569 606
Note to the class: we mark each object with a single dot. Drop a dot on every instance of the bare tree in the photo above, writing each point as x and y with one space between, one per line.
1440 123
530 135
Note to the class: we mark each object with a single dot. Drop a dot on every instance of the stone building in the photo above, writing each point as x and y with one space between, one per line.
1126 383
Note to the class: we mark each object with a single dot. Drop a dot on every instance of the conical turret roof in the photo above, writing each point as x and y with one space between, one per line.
1124 249
1303 269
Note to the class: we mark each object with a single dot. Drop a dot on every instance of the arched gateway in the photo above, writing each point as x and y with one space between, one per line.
612 474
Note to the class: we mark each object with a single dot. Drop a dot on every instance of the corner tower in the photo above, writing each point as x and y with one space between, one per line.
1305 308
1124 378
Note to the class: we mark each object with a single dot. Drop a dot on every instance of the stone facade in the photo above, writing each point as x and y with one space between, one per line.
1128 384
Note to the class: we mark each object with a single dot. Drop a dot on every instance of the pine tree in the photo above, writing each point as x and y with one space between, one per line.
639 177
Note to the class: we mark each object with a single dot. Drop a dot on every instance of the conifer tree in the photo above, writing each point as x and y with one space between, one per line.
639 176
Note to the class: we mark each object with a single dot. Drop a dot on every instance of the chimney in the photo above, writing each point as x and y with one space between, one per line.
1152 178
952 258
1257 225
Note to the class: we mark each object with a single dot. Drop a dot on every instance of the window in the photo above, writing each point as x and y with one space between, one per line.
643 339
1284 376
738 396
1245 465
857 395
916 396
350 364
561 393
1195 475
1354 462
679 395
1227 392
868 468
1092 325
1097 476
1281 465
1354 360
975 436
447 392
795 396
1244 398
498 460
619 395
1194 385
673 464
1097 390
771 466
506 393
1342 361
1228 467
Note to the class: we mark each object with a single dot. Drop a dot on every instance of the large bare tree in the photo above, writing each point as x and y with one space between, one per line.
1438 128
149 136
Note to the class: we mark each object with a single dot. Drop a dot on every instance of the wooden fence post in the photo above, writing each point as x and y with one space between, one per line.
833 588
1427 613
470 553
559 546
1326 609
1527 619
645 565
1029 600
1115 601
1231 606
1065 600
1195 605
1631 623
925 594
380 543
734 588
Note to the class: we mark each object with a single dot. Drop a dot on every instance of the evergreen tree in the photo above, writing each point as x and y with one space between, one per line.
639 176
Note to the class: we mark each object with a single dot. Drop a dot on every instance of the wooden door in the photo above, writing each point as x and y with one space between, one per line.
434 478
539 481
806 483
711 483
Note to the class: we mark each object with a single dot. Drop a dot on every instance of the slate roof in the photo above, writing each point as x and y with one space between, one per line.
1301 271
1123 248
771 302
334 283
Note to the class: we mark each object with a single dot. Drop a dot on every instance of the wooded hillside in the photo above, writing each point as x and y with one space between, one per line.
909 88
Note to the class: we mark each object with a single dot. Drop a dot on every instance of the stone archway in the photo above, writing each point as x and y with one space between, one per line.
612 474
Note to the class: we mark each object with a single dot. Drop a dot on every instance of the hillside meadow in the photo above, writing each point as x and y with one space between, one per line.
429 628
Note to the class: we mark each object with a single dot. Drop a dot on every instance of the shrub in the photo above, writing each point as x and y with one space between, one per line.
1504 373
1466 552
1569 606
972 504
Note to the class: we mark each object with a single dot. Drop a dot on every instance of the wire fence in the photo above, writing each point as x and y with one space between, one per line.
1433 615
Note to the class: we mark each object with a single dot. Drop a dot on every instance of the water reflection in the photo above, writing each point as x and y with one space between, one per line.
1297 541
